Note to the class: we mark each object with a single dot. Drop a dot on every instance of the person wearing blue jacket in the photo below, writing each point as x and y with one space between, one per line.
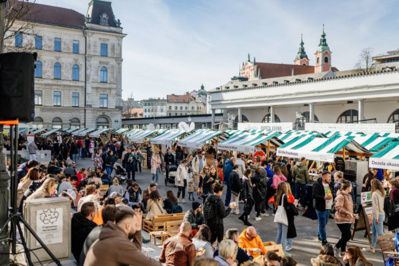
269 190
228 168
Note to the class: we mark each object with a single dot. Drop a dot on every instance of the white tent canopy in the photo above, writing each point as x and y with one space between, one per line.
167 137
247 142
387 158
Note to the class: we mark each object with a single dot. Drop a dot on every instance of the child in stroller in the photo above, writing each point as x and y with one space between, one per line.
120 172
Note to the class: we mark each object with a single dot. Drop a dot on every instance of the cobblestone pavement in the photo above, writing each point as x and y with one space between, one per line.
305 245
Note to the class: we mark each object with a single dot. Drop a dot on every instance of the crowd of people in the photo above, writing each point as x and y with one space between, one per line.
106 227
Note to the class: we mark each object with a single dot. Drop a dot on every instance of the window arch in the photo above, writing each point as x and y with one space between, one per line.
326 59
75 72
38 122
318 60
57 71
56 122
394 118
300 121
267 119
75 123
102 122
235 123
38 69
348 116
104 75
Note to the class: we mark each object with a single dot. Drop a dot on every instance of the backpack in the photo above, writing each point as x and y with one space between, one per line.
390 208
79 144
177 209
210 209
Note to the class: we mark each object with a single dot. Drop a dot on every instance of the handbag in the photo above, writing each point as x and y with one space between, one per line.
160 209
281 215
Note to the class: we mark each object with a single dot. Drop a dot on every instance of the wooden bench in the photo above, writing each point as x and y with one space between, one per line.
172 227
158 222
159 234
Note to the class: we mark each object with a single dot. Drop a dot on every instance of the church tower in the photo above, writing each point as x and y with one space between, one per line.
323 55
301 57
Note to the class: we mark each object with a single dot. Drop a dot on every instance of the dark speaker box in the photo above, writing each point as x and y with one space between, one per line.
17 93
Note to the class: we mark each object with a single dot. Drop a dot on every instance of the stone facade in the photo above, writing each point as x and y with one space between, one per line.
93 50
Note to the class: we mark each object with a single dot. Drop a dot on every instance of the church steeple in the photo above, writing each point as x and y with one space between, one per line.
301 57
323 55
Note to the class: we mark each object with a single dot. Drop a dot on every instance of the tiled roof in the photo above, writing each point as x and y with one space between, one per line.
271 70
52 15
180 98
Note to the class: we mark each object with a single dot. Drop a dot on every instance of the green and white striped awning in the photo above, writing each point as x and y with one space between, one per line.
390 135
320 149
200 137
69 130
140 136
48 133
168 137
247 142
98 132
78 131
387 158
84 132
37 131
131 132
121 130
373 142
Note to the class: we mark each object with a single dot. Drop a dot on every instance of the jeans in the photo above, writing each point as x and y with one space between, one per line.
236 199
228 195
289 243
323 220
345 236
155 176
81 155
377 229
109 170
281 238
300 188
75 157
191 195
130 168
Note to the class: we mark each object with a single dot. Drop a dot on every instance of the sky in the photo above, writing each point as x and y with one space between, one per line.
174 46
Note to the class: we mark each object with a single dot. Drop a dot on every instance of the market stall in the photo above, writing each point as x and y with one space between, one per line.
84 132
99 132
373 142
201 137
168 137
143 135
249 143
387 158
48 133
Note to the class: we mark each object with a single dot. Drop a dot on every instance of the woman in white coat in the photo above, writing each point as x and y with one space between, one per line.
181 179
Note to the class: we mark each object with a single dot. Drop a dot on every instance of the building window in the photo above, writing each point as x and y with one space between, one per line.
102 122
161 110
192 108
104 100
38 122
318 60
57 98
75 123
300 122
38 69
267 119
104 49
38 42
57 122
57 44
394 118
38 97
75 99
176 107
186 108
349 116
57 71
326 59
181 108
104 75
175 114
18 39
75 49
75 72
170 107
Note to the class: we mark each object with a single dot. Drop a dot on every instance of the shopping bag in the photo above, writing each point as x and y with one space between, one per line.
281 215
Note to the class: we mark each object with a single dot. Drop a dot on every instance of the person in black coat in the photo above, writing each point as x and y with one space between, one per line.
235 183
259 184
169 159
247 195
82 224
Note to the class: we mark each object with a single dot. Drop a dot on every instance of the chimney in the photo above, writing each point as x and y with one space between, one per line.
292 72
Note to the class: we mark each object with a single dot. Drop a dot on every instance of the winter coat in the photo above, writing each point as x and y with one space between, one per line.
256 242
154 209
81 228
220 211
178 250
277 179
196 163
190 185
300 174
181 175
32 147
258 187
114 248
110 160
343 208
318 195
206 185
247 192
377 203
169 159
168 205
235 182
228 168
394 195
155 163
194 219
325 260
367 182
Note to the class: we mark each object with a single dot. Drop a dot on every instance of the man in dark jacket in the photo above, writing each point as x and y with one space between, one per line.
236 185
228 168
323 200
300 175
215 223
169 159
82 224
194 216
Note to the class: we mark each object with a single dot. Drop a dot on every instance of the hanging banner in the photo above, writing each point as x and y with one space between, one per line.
364 128
282 127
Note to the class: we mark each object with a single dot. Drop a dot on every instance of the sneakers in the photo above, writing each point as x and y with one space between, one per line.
318 238
237 213
287 254
145 241
336 252
247 223
258 219
265 214
184 201
371 249
288 248
342 254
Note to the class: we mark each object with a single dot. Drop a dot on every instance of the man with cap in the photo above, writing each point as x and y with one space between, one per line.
194 216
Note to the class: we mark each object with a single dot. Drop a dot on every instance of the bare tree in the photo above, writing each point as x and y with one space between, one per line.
366 62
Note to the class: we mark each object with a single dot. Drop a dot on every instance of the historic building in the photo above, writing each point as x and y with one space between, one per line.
193 103
154 107
302 93
78 75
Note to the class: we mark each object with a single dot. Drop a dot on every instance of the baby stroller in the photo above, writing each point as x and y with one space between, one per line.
120 172
172 172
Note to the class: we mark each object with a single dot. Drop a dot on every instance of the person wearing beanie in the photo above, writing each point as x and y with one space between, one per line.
195 216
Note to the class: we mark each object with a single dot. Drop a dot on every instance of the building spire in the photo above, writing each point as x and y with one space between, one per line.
249 57
323 46
301 51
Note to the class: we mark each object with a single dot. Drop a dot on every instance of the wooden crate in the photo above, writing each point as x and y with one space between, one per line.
158 222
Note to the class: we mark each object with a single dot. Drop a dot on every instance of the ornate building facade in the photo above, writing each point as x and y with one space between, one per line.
78 75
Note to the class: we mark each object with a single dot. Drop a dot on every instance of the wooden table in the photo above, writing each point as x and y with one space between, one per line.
162 234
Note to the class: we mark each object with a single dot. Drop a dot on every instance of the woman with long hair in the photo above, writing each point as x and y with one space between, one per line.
258 161
206 182
377 204
31 178
81 176
154 205
181 179
155 166
355 257
259 191
278 177
202 242
170 201
344 216
247 195
326 257
368 178
287 174
47 190
281 199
